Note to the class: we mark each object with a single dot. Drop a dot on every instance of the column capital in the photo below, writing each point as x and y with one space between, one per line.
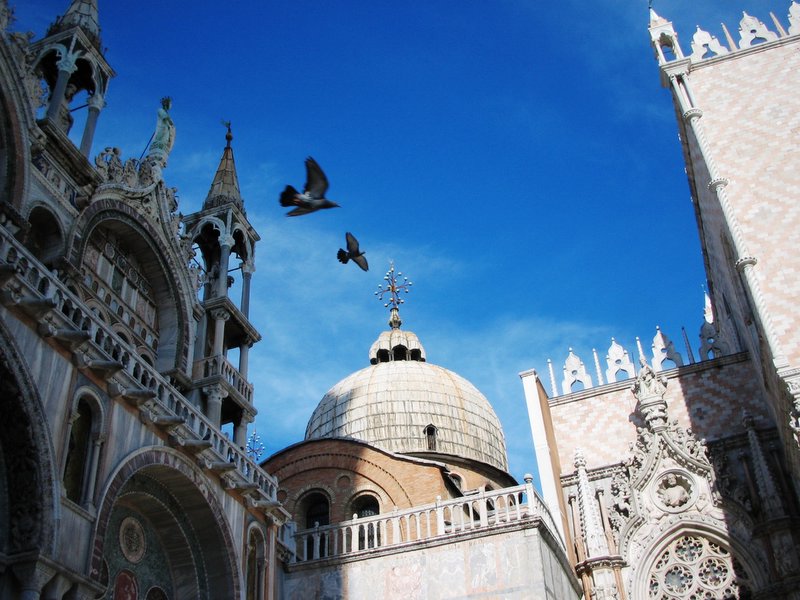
68 61
215 392
96 101
746 261
692 114
220 314
715 184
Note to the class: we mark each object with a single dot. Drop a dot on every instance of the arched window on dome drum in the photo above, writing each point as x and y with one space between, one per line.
318 511
368 534
383 356
317 514
400 353
430 437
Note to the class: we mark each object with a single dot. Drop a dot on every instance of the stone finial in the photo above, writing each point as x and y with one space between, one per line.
664 350
794 18
618 360
705 45
766 485
580 458
752 31
655 19
649 390
589 511
575 371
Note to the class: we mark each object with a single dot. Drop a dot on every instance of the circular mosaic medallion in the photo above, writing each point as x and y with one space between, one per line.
131 539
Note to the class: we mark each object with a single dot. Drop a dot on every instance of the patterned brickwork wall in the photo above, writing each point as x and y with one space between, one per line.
709 397
345 469
751 118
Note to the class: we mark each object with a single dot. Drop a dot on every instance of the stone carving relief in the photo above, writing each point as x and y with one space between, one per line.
575 372
35 87
674 491
618 360
752 31
695 567
794 18
132 540
663 351
704 43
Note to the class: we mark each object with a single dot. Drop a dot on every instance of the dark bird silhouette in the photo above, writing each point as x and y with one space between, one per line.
313 196
352 253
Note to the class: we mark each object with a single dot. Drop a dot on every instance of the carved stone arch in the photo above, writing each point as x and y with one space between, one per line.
94 398
207 235
314 506
27 464
171 294
45 235
179 517
364 493
242 246
85 432
254 559
707 541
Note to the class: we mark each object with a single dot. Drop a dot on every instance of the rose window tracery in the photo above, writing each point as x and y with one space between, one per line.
693 567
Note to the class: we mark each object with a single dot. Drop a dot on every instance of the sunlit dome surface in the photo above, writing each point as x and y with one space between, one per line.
405 405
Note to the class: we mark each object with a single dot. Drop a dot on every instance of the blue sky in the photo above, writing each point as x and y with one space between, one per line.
517 160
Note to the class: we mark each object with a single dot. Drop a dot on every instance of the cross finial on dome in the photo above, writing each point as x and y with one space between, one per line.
394 290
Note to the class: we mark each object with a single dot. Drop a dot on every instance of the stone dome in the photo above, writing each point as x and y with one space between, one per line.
405 405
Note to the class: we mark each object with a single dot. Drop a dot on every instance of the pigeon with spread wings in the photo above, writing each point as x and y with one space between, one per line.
313 196
352 253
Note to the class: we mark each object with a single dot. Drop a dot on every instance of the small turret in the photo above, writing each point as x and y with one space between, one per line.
218 231
70 61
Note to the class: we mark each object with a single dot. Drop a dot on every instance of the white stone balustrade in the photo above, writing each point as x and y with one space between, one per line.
218 365
28 286
442 519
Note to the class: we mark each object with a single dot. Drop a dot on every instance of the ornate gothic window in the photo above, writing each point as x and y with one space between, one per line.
696 568
368 535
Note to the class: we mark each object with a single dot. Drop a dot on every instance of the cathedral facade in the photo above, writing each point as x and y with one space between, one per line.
116 321
682 482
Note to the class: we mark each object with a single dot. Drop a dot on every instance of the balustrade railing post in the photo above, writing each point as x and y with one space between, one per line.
440 530
530 494
483 509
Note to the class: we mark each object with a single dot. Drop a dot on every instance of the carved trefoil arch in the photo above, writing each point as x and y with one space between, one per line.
666 512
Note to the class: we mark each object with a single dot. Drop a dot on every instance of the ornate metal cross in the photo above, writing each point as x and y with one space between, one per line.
393 288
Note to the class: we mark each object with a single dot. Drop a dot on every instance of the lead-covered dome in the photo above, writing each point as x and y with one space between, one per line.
405 405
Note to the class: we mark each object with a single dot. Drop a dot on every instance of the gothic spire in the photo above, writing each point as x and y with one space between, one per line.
225 187
83 14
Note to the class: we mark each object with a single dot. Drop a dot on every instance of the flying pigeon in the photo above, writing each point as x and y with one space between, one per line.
352 252
313 196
